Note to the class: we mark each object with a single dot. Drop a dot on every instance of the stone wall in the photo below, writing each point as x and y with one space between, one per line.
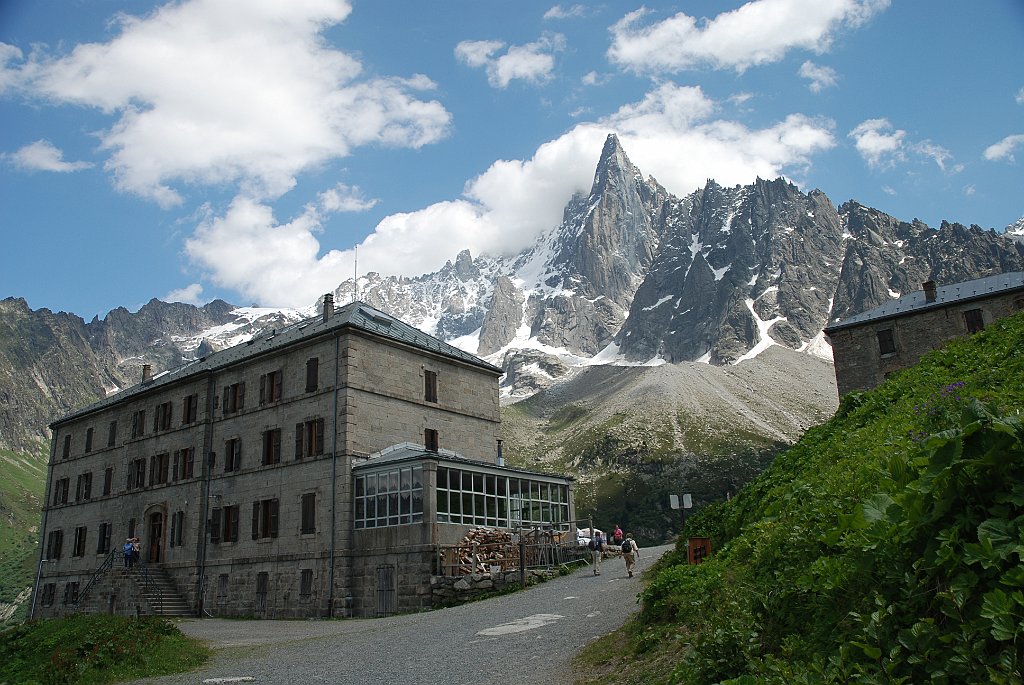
453 590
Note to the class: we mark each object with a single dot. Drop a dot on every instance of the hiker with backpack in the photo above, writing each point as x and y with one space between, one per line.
596 548
630 552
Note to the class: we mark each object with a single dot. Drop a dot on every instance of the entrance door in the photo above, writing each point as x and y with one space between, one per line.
156 536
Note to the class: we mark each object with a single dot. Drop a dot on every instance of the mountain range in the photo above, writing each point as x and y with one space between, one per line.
633 276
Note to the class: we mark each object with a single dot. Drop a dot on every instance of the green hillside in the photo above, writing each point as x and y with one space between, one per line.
885 547
21 491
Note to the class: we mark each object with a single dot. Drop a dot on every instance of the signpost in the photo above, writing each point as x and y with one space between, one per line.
687 503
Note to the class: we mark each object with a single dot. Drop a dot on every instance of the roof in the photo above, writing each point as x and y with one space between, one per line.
945 295
411 452
353 316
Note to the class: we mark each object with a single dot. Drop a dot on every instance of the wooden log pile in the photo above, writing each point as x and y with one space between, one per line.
482 548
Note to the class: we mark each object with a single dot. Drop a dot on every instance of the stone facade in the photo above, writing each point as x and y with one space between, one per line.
867 348
236 471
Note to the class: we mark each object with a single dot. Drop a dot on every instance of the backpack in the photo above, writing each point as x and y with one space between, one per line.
627 547
127 548
592 544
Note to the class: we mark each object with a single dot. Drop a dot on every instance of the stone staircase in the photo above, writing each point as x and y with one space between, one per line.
162 595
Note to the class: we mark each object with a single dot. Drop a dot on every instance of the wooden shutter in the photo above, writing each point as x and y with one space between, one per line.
263 389
273 517
215 525
319 436
255 520
298 440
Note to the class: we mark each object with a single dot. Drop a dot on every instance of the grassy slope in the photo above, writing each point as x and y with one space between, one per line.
22 480
807 586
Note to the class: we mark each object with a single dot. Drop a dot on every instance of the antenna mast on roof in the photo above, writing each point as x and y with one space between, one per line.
355 273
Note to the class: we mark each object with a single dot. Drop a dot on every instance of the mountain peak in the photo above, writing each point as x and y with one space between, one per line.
614 166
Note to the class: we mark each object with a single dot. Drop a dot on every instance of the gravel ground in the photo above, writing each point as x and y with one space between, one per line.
527 636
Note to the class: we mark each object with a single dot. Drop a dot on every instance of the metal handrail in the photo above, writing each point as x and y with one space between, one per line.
148 584
104 566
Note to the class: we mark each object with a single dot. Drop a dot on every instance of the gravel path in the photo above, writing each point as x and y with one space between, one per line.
526 636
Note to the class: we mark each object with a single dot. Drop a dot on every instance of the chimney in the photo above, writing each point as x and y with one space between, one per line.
328 306
929 291
500 460
147 373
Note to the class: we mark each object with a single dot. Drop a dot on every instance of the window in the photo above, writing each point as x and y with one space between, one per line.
306 582
80 535
162 416
430 386
54 544
308 513
60 491
131 527
272 446
222 588
886 343
264 519
189 410
158 468
83 490
177 529
270 387
430 440
71 593
974 320
312 374
103 540
389 498
262 579
88 440
49 592
234 398
309 438
137 474
230 529
108 480
233 455
473 498
139 423
224 524
184 463
112 434
67 447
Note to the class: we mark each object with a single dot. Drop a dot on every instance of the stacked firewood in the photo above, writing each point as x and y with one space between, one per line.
482 548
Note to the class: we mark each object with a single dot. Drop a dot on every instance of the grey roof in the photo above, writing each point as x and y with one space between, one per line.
944 295
409 452
355 315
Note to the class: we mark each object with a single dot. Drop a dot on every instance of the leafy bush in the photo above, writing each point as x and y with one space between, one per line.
95 649
886 546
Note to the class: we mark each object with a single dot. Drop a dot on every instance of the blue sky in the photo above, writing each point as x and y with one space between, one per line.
241 148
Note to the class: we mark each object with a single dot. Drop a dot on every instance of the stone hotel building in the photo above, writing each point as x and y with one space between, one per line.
313 471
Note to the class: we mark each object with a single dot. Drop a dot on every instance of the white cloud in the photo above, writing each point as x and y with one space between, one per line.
190 294
878 143
1019 98
274 264
889 190
559 12
936 153
970 190
819 76
232 91
1003 150
9 76
343 198
43 155
759 32
532 62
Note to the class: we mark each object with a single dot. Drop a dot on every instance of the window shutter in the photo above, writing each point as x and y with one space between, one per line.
215 525
312 374
174 528
255 520
241 397
227 400
263 389
273 518
298 441
319 436
276 437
